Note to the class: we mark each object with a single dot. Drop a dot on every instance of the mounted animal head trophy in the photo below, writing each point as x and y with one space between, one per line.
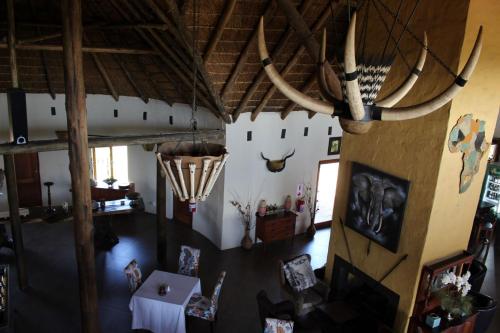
356 105
276 165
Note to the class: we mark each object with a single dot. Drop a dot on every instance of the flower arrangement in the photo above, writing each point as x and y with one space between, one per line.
246 214
454 295
310 200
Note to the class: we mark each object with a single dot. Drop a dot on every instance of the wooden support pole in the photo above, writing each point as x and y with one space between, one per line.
243 57
219 29
76 113
9 163
320 22
310 43
262 73
161 220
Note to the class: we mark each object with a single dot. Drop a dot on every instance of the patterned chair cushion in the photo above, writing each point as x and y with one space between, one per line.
203 307
278 326
299 273
134 275
189 260
200 306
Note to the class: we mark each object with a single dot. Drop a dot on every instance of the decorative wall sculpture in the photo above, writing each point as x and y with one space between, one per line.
376 205
468 137
277 165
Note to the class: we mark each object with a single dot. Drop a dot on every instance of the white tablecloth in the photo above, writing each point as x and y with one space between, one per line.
163 314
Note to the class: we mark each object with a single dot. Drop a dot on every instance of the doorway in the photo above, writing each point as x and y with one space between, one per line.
182 213
326 187
29 188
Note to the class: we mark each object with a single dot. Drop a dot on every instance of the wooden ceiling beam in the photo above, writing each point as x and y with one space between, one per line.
142 35
310 43
43 57
320 22
304 89
104 73
262 73
219 29
242 58
85 49
185 37
39 37
165 59
107 141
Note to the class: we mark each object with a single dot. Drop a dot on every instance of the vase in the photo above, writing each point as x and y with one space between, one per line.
262 208
246 241
311 230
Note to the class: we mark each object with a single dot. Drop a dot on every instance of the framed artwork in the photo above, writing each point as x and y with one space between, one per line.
334 145
376 205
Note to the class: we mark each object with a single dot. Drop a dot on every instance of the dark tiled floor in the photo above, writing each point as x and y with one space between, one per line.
51 303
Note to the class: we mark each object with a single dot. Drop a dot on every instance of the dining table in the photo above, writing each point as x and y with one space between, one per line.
163 313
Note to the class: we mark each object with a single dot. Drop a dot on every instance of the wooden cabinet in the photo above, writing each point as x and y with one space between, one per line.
274 227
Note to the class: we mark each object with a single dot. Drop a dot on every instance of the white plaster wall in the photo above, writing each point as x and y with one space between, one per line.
247 176
54 166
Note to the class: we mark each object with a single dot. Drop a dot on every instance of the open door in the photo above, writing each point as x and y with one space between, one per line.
325 192
28 180
182 213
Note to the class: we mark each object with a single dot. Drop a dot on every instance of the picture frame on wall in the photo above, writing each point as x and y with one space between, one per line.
334 145
376 206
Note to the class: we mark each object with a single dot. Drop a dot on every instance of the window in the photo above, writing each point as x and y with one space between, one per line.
110 162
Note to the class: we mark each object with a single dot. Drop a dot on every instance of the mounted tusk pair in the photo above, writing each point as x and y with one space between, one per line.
422 109
409 112
362 114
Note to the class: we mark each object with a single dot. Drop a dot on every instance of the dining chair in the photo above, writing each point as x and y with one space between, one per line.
206 308
134 275
189 260
274 325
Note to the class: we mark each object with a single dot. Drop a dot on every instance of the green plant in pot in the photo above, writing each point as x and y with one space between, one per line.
454 297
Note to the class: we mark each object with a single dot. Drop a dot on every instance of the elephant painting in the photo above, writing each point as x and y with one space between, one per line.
376 205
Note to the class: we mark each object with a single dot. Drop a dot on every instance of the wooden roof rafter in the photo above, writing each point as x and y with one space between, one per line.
320 22
262 73
219 29
185 37
243 57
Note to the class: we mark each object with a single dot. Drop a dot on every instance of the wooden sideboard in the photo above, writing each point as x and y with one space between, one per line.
275 227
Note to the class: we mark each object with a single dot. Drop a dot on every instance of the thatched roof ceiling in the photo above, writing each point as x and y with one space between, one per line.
141 48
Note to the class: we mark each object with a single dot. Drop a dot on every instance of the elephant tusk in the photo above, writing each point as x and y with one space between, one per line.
351 74
422 109
284 87
401 92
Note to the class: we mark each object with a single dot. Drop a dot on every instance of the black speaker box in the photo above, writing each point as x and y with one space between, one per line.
16 100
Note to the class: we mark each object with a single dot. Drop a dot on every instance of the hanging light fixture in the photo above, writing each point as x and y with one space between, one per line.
192 168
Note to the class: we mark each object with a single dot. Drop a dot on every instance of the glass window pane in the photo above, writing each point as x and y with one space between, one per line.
120 164
102 163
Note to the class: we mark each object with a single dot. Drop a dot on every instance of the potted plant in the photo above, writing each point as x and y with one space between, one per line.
247 221
454 297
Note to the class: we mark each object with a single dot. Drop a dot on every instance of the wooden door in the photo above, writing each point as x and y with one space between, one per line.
28 180
182 213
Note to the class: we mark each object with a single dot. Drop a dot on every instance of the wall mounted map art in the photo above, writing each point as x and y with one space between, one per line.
468 137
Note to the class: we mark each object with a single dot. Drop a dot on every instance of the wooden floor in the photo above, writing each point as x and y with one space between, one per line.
51 304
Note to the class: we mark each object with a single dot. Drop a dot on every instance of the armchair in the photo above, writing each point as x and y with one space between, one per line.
299 283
